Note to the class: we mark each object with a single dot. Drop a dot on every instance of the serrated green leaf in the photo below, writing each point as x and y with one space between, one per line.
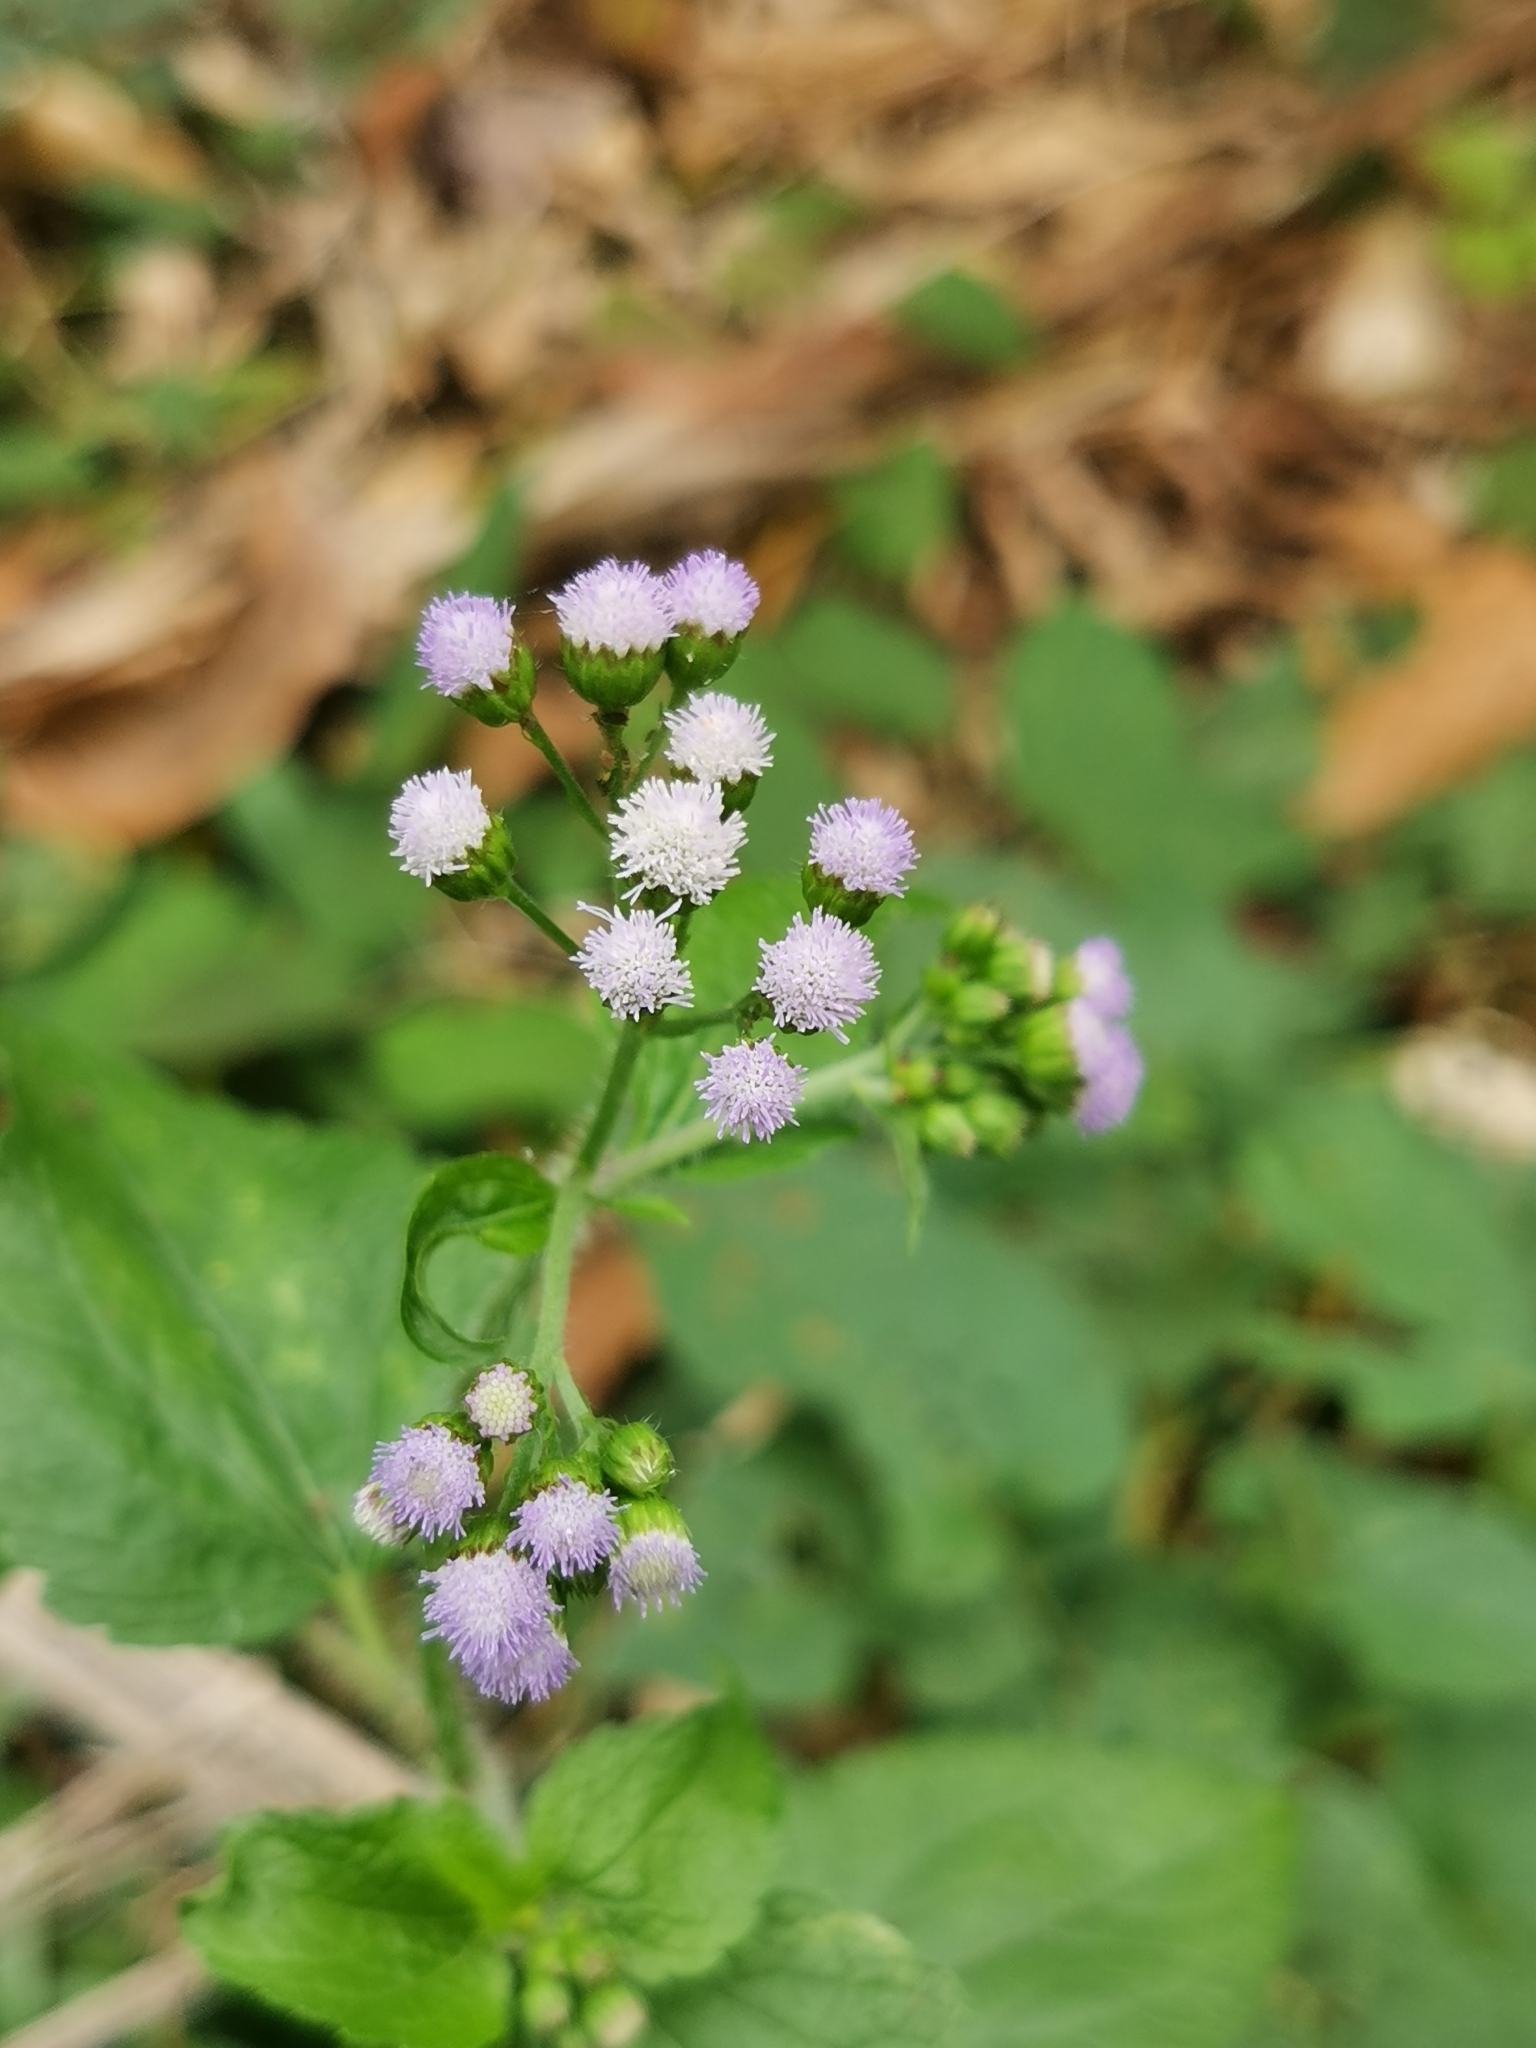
383 1924
810 1978
1084 1897
502 1203
197 1345
662 1831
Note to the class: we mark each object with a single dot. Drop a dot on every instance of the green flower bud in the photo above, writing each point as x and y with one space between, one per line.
971 933
636 1458
608 681
544 2004
960 1080
489 867
941 985
734 796
613 2016
997 1121
914 1080
1021 968
694 659
1047 1062
943 1127
825 892
975 1004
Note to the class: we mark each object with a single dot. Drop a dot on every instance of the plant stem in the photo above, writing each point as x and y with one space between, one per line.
575 794
548 1363
450 1724
519 898
829 1085
687 1020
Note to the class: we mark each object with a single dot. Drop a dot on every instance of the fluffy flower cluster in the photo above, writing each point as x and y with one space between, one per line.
630 959
715 738
1106 1054
710 593
819 976
436 822
621 607
751 1090
464 642
427 1479
675 836
864 844
501 1403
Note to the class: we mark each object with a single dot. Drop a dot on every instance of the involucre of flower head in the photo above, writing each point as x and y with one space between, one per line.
656 1563
631 961
711 593
751 1089
436 822
488 1607
674 836
429 1478
718 738
464 642
1102 979
1111 1067
618 607
541 1667
501 1402
864 844
371 1513
819 976
566 1527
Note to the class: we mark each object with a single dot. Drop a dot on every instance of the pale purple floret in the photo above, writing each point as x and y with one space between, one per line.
500 1403
429 1478
864 844
464 642
621 607
436 822
630 959
819 976
567 1527
751 1089
1102 978
675 836
711 593
489 1608
718 738
537 1670
1110 1065
654 1567
371 1513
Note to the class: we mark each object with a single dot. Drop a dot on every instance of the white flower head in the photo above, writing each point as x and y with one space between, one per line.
437 821
718 738
711 593
750 1090
620 607
631 961
819 976
674 836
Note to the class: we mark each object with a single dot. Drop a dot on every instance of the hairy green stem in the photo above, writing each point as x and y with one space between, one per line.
450 1723
519 898
687 1020
575 794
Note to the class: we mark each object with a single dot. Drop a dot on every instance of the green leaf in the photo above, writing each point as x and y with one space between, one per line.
453 1064
1101 756
663 1831
846 662
1431 1590
502 1203
899 514
724 938
964 1364
1084 1897
1504 490
1362 37
959 316
197 1345
382 1924
809 1978
1464 1781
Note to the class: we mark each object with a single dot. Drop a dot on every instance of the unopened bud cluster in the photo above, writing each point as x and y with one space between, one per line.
568 1994
1023 1036
556 1526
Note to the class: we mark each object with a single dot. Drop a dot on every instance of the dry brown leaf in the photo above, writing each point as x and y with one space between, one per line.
64 124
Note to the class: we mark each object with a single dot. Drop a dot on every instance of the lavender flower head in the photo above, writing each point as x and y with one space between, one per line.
1102 979
436 822
371 1513
429 1479
620 607
1110 1065
751 1090
653 1567
711 593
718 739
566 1527
674 836
500 1403
536 1671
819 976
489 1608
864 844
631 961
464 642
